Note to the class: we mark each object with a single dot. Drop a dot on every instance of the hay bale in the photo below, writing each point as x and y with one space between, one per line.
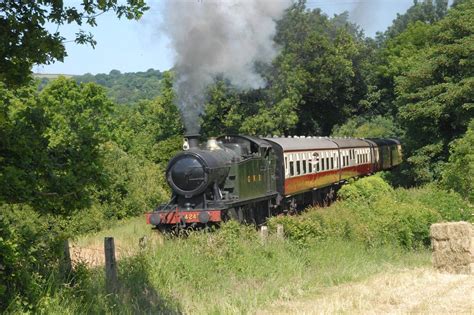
453 247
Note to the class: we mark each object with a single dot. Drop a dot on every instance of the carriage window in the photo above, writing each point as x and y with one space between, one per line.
317 166
298 168
292 168
310 166
304 166
332 163
322 165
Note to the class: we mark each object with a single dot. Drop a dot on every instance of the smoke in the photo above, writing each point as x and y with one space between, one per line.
218 37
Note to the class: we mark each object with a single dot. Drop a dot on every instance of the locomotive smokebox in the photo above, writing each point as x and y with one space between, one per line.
191 141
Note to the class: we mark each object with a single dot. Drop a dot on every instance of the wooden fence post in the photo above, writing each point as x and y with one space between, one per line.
66 264
264 233
280 231
111 279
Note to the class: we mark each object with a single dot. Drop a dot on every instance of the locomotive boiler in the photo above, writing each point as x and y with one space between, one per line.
251 178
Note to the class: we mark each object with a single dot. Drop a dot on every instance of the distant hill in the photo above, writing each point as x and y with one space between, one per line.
51 76
123 88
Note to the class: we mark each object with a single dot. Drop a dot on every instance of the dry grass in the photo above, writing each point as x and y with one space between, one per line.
89 249
417 291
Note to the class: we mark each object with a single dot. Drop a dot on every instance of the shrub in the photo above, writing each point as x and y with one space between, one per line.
30 248
372 212
367 188
458 173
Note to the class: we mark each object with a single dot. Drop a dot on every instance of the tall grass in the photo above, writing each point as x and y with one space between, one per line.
227 271
372 229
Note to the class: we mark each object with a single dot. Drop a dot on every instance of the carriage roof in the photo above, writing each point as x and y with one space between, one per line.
316 143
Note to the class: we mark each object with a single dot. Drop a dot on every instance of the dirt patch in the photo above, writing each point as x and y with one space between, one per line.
417 291
93 255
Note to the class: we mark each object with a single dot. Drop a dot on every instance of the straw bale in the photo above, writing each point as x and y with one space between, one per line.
439 231
450 230
460 245
440 245
460 230
453 247
442 258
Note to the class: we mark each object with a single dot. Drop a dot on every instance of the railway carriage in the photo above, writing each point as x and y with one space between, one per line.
251 178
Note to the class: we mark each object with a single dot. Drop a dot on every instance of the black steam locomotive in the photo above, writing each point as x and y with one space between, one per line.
251 178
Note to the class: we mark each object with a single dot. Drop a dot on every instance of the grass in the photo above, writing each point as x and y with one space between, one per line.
227 271
231 271
126 232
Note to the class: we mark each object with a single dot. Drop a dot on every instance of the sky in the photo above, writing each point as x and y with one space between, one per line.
131 46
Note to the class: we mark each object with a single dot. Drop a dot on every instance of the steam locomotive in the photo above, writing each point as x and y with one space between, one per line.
251 178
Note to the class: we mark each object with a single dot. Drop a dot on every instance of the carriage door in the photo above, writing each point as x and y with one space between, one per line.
269 169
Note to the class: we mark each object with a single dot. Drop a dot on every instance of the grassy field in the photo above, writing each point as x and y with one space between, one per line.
227 271
374 229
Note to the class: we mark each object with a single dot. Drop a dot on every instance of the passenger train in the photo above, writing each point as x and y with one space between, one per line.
251 178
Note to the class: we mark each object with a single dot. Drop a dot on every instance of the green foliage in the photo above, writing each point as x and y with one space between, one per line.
223 112
27 254
426 11
450 205
373 213
49 143
134 185
62 174
25 38
435 95
150 128
361 127
317 80
127 88
458 173
367 188
187 274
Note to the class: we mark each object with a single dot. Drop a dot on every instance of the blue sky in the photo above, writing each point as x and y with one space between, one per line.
131 46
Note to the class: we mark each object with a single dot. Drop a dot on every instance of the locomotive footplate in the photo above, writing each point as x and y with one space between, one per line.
178 216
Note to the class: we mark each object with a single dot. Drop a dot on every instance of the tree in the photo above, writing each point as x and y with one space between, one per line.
145 128
436 91
374 127
25 40
409 32
459 171
426 11
317 81
49 144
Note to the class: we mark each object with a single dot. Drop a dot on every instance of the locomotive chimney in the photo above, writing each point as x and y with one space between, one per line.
191 141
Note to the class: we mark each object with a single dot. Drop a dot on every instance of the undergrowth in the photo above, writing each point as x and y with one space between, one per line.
371 212
227 271
371 229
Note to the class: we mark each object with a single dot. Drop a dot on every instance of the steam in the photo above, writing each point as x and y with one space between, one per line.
219 37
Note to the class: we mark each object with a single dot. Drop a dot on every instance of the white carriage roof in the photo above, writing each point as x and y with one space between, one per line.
316 143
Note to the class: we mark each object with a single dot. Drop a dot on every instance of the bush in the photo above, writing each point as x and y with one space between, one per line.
134 185
367 188
458 173
30 248
372 212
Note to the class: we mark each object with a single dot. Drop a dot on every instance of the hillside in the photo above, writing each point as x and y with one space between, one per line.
122 88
